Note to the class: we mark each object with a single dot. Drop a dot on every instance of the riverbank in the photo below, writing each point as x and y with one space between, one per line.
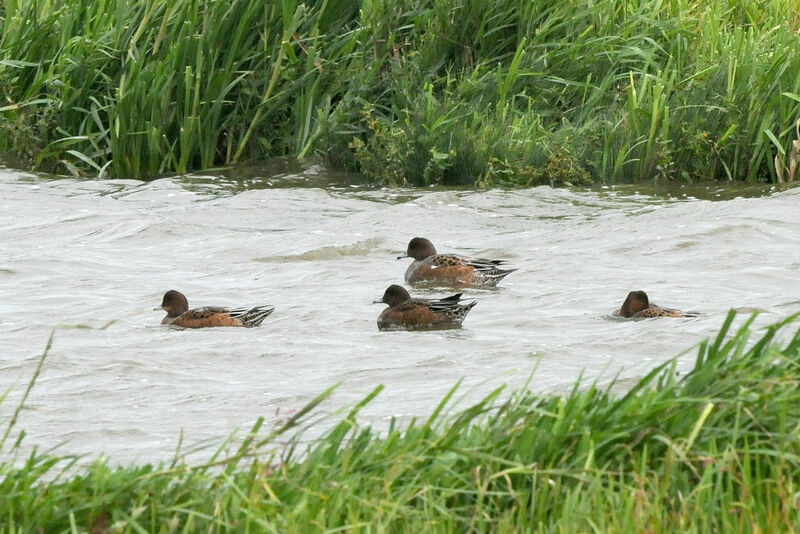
479 93
713 450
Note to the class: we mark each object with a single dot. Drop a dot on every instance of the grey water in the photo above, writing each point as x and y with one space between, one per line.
94 257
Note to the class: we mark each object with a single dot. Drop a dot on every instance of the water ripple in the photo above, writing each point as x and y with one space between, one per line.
321 249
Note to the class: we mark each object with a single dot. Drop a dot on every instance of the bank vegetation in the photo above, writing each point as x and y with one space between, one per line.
478 92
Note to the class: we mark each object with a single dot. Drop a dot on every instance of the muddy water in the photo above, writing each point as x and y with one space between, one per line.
321 248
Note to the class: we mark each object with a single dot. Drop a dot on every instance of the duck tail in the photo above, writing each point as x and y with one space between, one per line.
255 316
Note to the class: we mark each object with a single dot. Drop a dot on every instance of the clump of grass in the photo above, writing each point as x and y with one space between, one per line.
411 92
714 450
618 90
138 89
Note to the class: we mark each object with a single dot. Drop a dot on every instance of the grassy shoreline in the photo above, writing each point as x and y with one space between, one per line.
497 92
716 449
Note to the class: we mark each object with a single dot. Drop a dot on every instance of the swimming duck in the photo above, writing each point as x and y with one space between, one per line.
406 313
179 314
428 266
638 306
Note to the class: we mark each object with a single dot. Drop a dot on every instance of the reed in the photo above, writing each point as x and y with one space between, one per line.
497 92
713 450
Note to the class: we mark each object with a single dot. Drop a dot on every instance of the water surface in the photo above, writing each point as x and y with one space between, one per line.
321 248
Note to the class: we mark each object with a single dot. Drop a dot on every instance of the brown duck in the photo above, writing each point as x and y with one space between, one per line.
428 266
179 314
406 313
638 306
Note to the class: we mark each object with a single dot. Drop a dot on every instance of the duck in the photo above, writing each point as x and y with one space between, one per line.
178 313
638 306
406 313
429 266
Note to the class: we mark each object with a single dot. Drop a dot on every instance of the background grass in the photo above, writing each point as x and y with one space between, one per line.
498 92
714 450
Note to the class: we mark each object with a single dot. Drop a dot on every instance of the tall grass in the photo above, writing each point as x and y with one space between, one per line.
714 450
160 86
497 92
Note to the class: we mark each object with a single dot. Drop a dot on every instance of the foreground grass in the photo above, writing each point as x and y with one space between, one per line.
716 450
493 92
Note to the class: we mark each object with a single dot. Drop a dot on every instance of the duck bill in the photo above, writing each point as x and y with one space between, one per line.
158 308
401 256
379 301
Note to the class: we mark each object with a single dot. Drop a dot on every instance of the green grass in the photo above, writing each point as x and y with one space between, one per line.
713 450
499 92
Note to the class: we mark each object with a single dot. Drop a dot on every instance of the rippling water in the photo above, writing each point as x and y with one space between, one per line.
321 248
